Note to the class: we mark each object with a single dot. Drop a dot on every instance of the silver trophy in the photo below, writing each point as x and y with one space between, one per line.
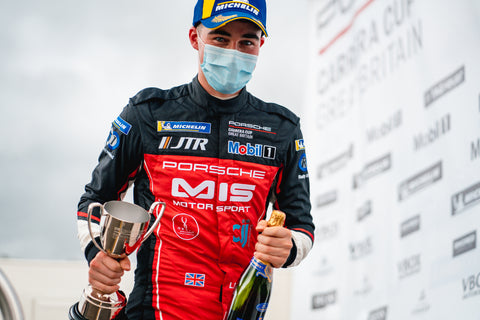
123 227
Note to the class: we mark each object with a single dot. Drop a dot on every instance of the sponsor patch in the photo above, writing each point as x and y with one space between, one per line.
122 125
185 226
244 233
299 145
195 279
183 143
183 126
250 126
113 140
257 150
302 163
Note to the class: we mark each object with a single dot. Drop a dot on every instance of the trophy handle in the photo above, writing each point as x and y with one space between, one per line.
155 224
89 218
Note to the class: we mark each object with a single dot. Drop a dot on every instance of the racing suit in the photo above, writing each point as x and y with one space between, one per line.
217 165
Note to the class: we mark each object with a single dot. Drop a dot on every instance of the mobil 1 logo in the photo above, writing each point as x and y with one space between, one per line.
252 150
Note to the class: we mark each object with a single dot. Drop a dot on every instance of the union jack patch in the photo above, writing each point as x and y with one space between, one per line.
195 279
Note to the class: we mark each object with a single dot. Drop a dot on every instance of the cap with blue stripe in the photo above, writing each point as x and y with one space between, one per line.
214 14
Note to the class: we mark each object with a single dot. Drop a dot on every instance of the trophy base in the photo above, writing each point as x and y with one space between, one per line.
93 307
74 314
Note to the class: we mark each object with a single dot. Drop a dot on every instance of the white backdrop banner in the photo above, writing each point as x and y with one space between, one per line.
392 129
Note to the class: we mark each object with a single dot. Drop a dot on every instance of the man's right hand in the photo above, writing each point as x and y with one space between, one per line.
105 272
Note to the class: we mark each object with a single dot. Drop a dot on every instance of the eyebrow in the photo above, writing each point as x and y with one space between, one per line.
225 33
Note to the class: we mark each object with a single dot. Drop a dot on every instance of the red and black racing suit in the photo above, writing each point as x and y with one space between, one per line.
216 164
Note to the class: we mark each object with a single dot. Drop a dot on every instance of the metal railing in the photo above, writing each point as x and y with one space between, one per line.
10 307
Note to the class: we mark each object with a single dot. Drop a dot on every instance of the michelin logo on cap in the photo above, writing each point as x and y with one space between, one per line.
243 5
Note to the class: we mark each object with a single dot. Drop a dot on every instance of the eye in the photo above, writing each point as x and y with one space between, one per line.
247 43
220 39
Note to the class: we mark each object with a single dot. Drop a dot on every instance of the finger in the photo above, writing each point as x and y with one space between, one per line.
125 264
107 266
262 224
281 251
276 262
104 288
276 240
277 232
112 265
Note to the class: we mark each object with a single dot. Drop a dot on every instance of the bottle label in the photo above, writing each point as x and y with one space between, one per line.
263 270
262 307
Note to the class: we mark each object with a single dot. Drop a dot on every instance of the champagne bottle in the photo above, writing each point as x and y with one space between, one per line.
251 296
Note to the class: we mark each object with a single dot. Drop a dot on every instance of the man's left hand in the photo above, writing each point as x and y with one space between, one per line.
274 244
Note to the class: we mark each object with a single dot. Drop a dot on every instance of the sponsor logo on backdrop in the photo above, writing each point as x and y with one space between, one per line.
333 9
378 314
438 129
410 226
385 128
372 169
475 150
364 211
322 300
422 305
471 286
420 181
326 199
336 163
183 126
409 266
365 288
361 249
327 231
444 86
466 199
324 267
465 243
183 143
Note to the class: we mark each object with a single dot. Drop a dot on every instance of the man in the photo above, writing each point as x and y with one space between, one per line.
217 156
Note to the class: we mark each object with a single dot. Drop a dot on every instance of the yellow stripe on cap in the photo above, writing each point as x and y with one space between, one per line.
207 8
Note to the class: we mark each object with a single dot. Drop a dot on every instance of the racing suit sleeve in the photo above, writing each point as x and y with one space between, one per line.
293 198
118 164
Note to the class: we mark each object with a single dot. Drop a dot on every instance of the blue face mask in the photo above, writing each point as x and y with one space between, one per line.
227 70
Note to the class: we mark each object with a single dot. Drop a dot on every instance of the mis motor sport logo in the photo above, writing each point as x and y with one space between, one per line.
466 199
257 150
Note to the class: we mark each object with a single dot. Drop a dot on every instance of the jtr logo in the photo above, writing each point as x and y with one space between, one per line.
206 190
244 234
183 143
